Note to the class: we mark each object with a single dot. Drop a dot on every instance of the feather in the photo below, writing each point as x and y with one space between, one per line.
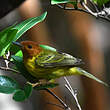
50 58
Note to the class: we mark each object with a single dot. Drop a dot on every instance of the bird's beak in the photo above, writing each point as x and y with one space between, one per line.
18 44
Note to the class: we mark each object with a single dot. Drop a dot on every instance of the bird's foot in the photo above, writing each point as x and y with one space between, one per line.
43 83
33 84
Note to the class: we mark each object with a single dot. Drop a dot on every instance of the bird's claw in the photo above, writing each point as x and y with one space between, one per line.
33 84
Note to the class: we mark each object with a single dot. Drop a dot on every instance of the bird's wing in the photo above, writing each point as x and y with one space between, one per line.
55 59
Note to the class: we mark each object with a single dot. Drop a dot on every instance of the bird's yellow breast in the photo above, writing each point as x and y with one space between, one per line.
31 66
37 71
44 73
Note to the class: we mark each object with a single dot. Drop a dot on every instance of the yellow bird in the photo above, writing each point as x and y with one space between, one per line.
46 63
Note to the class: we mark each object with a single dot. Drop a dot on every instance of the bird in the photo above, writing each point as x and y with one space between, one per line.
47 64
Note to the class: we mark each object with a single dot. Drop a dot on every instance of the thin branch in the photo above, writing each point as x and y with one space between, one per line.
86 10
6 59
94 14
97 15
105 18
72 9
73 92
9 69
7 55
66 107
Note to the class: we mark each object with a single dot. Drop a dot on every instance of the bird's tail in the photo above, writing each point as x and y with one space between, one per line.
79 71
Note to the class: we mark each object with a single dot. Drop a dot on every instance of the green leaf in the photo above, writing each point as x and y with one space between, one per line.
45 86
28 90
14 49
8 85
48 47
27 24
19 95
22 95
53 2
19 54
74 3
100 2
17 59
6 38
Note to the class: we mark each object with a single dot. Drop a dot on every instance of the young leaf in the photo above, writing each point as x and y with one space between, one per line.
100 2
6 38
47 47
19 54
53 2
28 90
8 85
27 24
14 49
19 95
22 95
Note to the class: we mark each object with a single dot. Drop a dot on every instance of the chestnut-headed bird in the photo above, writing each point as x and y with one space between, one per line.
46 63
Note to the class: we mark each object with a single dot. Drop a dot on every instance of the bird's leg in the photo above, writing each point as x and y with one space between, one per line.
33 84
46 81
42 82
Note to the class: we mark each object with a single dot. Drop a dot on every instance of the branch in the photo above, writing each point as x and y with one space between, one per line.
89 11
73 92
86 10
6 59
9 69
97 14
72 9
7 55
66 107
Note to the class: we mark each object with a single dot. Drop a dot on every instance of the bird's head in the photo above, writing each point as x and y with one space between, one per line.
29 48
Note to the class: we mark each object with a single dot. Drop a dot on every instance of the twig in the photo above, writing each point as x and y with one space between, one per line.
86 10
7 56
73 92
104 17
94 14
66 107
72 9
97 14
6 59
9 69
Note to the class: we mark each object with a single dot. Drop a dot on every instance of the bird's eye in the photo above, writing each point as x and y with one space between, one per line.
29 46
